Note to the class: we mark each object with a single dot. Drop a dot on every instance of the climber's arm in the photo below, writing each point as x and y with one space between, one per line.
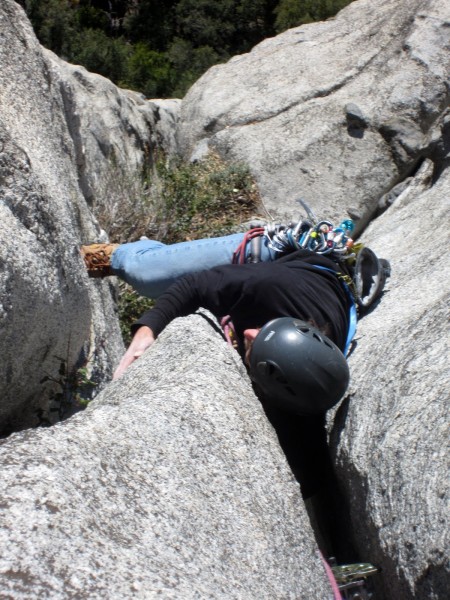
143 339
215 290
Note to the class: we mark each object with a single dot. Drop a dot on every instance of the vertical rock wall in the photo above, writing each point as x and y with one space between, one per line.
391 434
64 134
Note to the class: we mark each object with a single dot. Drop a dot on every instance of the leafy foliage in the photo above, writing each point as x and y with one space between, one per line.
204 199
290 13
131 306
149 71
161 47
173 201
101 54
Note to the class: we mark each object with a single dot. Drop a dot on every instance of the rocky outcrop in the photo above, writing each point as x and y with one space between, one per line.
115 132
159 489
390 435
337 112
62 132
51 319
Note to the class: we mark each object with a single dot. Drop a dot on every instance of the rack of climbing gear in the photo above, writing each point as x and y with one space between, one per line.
311 234
353 580
362 274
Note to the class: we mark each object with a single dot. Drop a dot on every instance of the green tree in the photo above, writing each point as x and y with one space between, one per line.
161 47
149 71
100 53
255 22
203 22
152 22
54 22
107 15
189 63
291 13
90 17
228 26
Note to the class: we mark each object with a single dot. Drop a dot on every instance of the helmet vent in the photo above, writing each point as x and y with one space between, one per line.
270 368
274 371
317 337
302 328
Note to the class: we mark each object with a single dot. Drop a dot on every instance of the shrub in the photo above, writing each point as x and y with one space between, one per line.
174 201
291 13
131 306
101 54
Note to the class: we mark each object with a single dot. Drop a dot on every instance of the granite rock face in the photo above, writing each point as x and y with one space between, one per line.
159 489
114 131
391 435
336 112
61 129
51 318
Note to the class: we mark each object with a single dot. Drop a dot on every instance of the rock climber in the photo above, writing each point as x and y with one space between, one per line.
292 315
291 295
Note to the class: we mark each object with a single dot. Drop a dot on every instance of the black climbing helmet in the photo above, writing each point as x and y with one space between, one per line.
298 368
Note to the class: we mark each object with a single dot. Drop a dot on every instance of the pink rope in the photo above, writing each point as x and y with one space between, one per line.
331 578
227 326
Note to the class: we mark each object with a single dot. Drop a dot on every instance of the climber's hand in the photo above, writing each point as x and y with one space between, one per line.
143 339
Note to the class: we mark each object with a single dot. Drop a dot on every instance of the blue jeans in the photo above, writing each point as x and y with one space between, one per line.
150 267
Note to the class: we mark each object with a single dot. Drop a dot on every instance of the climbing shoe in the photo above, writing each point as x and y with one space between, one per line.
97 258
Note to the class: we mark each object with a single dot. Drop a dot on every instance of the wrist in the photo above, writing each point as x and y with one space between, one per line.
143 331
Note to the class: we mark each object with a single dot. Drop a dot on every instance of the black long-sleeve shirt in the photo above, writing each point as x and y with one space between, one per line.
253 294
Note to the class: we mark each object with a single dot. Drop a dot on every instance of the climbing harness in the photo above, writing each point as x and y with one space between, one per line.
353 314
319 237
362 272
254 238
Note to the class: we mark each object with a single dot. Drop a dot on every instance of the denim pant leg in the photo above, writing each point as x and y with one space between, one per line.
150 267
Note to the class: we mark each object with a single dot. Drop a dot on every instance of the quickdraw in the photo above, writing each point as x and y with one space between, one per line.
322 238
